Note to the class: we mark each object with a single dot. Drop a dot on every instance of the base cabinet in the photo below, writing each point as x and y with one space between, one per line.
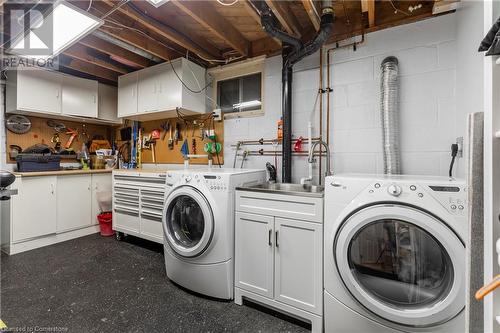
73 202
278 260
254 264
50 209
34 208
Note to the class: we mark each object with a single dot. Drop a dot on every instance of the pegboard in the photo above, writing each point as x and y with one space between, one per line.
40 132
188 131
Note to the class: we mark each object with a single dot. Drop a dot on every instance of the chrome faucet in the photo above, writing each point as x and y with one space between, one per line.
311 159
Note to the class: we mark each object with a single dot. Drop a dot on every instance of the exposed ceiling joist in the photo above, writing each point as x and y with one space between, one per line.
113 50
90 69
368 6
253 13
312 13
285 17
443 6
205 49
203 13
140 41
82 53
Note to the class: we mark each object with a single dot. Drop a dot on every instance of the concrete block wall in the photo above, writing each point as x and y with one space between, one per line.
430 118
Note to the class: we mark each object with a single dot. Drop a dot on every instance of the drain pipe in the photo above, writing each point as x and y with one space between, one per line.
390 115
293 51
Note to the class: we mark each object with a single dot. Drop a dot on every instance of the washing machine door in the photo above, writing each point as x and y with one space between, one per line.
402 264
188 221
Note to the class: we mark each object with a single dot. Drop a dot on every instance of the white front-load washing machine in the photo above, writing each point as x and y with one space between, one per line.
198 226
394 254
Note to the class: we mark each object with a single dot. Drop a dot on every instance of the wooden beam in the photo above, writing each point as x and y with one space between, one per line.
443 6
285 17
129 32
140 41
81 52
113 50
368 6
312 13
252 12
205 49
204 13
90 69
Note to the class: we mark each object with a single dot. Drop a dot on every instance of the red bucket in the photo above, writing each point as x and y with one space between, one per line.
105 224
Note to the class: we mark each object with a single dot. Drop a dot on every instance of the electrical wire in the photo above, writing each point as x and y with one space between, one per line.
227 4
396 10
90 5
454 152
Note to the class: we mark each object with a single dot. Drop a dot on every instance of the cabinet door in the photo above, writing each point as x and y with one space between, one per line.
73 202
108 103
79 97
254 253
298 264
170 88
147 96
34 208
39 91
127 95
101 188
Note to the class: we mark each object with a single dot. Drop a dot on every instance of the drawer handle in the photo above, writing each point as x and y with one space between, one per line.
276 241
269 238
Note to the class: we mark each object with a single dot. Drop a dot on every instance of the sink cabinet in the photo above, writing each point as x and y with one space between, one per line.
279 253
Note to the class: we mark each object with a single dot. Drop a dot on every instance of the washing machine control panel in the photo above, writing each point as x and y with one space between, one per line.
214 183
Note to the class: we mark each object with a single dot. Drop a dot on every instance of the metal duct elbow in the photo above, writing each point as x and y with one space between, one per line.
269 26
390 115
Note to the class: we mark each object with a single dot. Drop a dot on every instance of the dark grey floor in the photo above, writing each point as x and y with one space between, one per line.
97 284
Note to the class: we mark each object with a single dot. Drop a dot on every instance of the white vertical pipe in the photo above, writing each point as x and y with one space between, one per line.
309 136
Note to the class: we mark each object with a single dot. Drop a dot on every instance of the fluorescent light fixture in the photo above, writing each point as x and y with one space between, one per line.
157 3
69 24
247 104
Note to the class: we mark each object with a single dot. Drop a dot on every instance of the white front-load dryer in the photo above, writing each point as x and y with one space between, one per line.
394 254
198 226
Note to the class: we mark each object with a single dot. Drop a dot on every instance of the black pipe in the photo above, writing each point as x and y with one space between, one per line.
269 26
293 51
286 77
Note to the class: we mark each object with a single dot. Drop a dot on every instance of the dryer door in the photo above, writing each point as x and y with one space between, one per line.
402 264
188 221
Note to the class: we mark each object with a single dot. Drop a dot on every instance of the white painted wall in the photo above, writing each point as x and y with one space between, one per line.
432 113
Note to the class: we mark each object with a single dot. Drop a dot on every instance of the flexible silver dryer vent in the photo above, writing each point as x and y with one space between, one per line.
390 115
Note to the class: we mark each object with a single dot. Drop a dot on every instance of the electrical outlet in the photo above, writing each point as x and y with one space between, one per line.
460 143
217 114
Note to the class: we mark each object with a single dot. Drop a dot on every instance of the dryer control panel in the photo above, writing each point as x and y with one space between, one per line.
452 197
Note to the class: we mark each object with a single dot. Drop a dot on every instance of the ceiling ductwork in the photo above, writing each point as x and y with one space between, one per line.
293 50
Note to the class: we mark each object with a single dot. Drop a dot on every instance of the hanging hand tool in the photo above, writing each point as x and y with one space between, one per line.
170 140
155 134
165 127
185 148
193 145
73 134
176 133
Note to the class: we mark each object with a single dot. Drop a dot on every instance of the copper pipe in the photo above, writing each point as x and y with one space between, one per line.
320 107
268 142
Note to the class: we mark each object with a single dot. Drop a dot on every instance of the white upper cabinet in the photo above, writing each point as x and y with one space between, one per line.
127 95
160 91
108 103
36 91
79 97
147 90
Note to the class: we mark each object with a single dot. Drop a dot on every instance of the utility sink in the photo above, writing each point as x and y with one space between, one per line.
287 188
